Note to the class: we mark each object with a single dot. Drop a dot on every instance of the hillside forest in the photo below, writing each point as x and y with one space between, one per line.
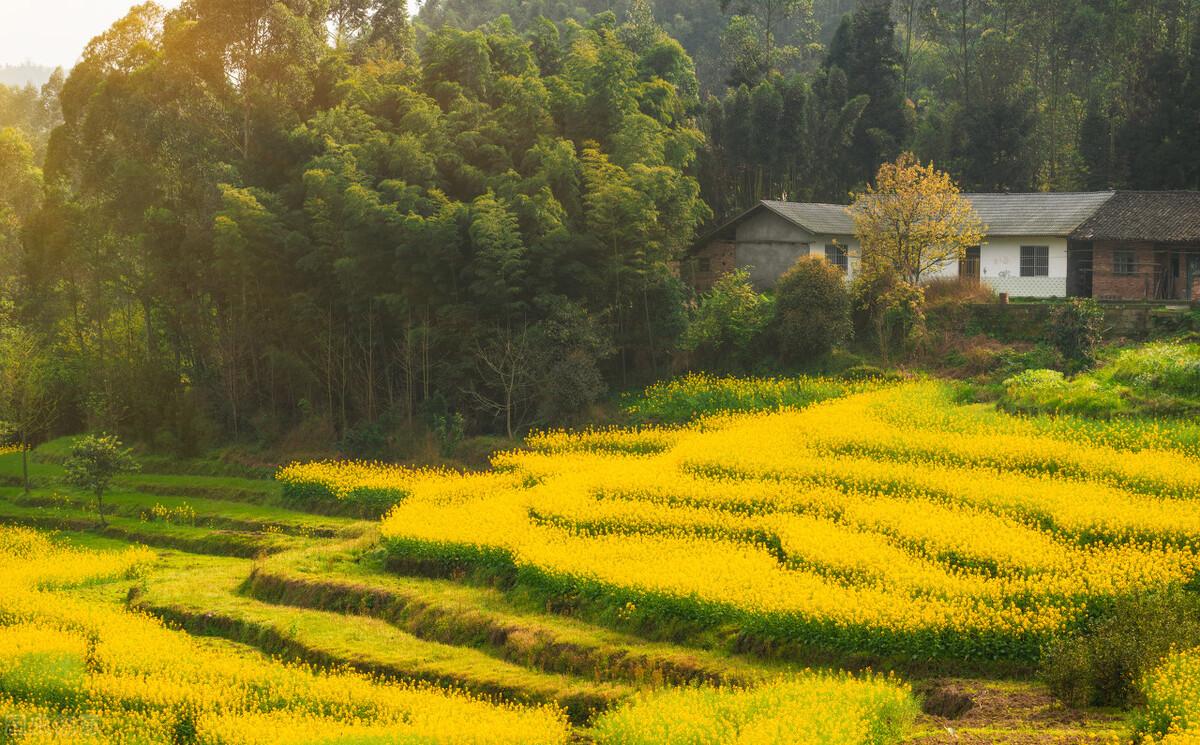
323 220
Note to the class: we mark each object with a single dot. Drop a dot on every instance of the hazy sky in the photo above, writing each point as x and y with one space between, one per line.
54 32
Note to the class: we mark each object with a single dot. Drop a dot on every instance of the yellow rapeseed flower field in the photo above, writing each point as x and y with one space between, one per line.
1172 715
73 671
890 521
804 710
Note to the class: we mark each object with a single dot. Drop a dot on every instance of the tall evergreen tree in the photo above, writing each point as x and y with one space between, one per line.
864 48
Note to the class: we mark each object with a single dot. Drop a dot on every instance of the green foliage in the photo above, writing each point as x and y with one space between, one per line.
785 135
865 48
888 310
1047 391
1076 328
1039 357
94 462
1157 379
1103 664
28 395
812 311
726 329
351 225
1159 367
448 430
683 399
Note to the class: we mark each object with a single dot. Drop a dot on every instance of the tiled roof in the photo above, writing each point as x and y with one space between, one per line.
1037 213
814 217
1163 216
1167 216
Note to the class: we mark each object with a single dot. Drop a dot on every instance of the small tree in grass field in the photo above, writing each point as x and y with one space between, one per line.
94 462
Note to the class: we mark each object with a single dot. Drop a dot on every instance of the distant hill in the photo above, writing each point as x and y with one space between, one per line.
27 74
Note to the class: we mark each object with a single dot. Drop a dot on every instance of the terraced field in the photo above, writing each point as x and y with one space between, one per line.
617 585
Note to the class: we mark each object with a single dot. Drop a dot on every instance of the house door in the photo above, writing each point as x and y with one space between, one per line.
968 265
1193 276
1079 269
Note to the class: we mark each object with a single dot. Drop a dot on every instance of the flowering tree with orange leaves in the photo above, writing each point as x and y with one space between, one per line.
913 220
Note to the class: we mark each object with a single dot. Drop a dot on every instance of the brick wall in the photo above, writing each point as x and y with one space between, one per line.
708 263
1108 285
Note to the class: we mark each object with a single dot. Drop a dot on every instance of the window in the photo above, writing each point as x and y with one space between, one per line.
704 264
1035 261
836 254
1124 263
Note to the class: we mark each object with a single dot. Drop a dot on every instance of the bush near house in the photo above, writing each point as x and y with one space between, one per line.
1076 328
1162 378
812 311
1037 391
726 329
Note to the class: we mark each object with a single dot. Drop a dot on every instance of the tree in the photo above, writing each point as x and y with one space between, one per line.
28 404
506 366
913 221
1095 148
865 49
771 16
20 192
742 52
94 462
726 329
812 311
891 308
1077 328
247 227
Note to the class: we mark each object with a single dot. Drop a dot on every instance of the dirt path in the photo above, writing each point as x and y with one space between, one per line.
994 712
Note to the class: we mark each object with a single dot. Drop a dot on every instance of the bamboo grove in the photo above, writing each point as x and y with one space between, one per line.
259 215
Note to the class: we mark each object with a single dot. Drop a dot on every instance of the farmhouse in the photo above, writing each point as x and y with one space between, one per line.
1111 245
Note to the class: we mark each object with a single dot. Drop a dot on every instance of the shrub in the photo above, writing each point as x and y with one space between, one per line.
683 399
812 310
569 346
1040 357
367 440
727 325
448 430
1160 367
944 290
1075 328
95 461
1103 664
888 309
866 374
1048 391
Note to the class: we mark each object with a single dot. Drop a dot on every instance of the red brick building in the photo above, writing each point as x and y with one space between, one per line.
1139 245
